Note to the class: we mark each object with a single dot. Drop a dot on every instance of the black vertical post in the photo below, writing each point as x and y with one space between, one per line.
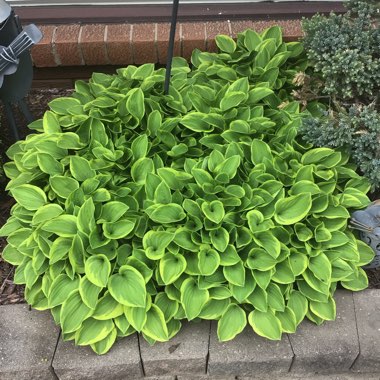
171 45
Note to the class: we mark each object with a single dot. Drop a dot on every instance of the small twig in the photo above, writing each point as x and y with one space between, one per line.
2 287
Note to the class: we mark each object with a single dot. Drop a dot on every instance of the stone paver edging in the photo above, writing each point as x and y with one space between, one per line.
348 348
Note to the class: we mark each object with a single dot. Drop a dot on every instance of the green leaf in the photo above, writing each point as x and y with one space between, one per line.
225 43
155 326
49 165
73 313
260 259
80 168
61 105
171 267
265 324
98 270
169 213
63 225
232 323
287 320
135 103
50 123
128 287
251 40
192 298
119 229
169 307
220 239
208 261
104 345
60 289
45 213
155 243
63 186
235 274
86 220
214 211
324 310
259 151
93 331
297 302
240 293
267 241
136 316
29 196
89 292
292 209
321 267
275 297
214 308
107 308
233 99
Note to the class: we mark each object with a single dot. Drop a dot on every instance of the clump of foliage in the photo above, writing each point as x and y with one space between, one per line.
136 210
345 53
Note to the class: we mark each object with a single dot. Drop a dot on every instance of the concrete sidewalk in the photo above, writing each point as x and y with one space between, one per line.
346 349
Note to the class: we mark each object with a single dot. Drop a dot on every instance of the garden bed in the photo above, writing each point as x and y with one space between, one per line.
37 101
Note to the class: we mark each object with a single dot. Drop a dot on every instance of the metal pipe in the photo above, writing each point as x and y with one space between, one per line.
171 45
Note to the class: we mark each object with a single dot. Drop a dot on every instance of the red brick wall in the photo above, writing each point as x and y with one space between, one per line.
123 44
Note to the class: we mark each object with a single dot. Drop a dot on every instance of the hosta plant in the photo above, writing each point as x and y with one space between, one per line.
136 210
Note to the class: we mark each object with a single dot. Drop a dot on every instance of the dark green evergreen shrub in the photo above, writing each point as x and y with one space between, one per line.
344 51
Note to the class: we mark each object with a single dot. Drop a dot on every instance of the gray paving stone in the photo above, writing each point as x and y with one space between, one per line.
185 354
121 362
367 308
344 376
27 343
248 354
329 348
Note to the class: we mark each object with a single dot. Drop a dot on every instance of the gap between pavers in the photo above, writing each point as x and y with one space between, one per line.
330 348
184 354
367 310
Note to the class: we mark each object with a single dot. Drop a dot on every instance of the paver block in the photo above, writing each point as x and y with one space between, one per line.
367 308
331 347
27 343
248 354
184 354
121 362
344 376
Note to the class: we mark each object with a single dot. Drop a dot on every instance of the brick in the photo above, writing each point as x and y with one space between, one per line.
163 31
212 30
238 26
143 43
330 348
27 343
247 355
121 362
193 36
367 308
184 354
291 29
119 44
42 53
66 45
92 44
